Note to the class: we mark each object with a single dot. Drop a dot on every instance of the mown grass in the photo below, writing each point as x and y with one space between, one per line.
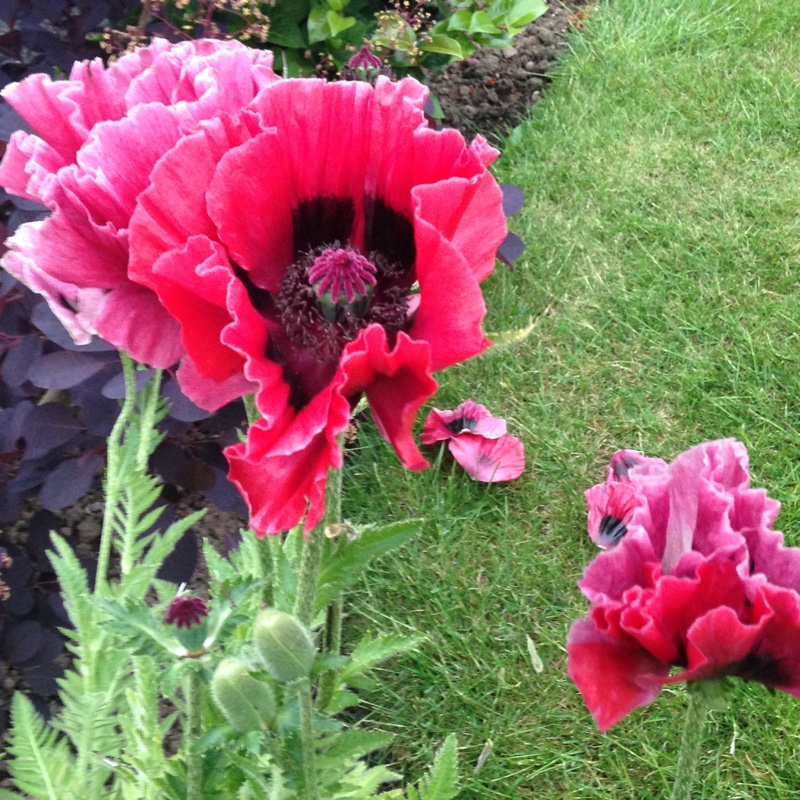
662 177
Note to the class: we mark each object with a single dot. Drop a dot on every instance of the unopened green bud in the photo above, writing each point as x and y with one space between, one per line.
247 703
284 645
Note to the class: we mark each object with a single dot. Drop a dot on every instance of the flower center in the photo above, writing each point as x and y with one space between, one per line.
462 423
342 276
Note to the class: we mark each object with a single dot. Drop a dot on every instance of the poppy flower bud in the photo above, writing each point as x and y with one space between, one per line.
247 703
284 645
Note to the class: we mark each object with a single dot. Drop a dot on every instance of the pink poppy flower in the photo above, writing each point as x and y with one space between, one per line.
322 244
489 460
469 417
98 136
699 582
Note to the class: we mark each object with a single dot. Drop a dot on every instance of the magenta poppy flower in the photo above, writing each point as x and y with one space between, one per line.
469 417
97 137
478 441
489 460
697 582
324 243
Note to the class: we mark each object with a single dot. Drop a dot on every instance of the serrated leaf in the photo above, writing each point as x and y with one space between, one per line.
370 652
344 565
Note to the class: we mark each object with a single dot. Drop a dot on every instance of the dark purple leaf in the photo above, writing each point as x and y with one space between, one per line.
114 389
22 640
513 198
32 473
63 370
511 249
21 359
181 407
230 416
41 524
49 324
225 496
43 678
51 646
230 542
18 574
12 425
98 413
178 566
19 603
47 427
169 462
11 505
53 612
70 481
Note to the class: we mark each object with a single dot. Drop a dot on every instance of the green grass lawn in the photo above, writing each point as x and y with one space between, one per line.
662 221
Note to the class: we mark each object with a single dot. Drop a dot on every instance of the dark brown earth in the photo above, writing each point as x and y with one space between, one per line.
491 92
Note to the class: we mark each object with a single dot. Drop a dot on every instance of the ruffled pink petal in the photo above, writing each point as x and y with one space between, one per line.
469 417
451 307
75 307
28 165
132 319
614 675
192 284
762 646
45 105
173 207
469 213
207 393
396 382
212 75
489 460
282 468
324 159
113 167
72 248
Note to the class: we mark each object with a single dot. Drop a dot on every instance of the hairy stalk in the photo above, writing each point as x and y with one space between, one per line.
691 740
314 546
148 407
114 479
192 734
307 740
333 618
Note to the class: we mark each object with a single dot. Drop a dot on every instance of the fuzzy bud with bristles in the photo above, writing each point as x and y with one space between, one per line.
247 703
284 645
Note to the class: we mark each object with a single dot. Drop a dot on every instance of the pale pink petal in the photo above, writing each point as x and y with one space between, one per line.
28 165
132 319
489 460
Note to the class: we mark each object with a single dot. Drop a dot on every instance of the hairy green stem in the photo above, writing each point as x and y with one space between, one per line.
192 734
309 572
689 755
114 479
313 547
307 740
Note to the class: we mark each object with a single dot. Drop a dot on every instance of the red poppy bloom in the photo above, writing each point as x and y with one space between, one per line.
97 138
322 244
699 582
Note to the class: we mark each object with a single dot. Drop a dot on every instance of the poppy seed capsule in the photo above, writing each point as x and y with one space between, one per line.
247 703
284 645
